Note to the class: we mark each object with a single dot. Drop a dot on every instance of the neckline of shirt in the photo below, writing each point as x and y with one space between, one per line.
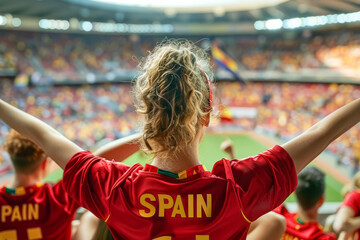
21 190
181 175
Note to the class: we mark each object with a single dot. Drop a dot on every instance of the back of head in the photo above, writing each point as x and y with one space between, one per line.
25 155
356 181
354 185
172 92
311 187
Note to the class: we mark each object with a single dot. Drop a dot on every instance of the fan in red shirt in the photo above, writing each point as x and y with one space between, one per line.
310 196
174 197
28 208
347 218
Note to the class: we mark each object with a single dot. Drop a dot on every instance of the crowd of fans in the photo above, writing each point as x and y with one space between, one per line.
287 109
60 57
85 114
75 57
90 113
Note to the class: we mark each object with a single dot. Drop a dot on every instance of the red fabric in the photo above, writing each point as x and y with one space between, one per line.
45 209
352 200
139 204
303 231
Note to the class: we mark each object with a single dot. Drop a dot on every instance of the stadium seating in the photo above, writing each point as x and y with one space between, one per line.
51 57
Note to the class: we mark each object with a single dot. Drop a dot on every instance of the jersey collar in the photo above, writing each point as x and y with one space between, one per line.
21 190
181 175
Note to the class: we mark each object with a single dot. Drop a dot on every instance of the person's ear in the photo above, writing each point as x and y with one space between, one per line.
321 201
205 120
45 165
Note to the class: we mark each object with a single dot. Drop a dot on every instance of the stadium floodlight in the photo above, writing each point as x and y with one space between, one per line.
103 27
86 26
353 17
292 23
63 25
44 24
274 24
16 22
332 18
322 20
311 21
54 24
341 18
3 20
259 25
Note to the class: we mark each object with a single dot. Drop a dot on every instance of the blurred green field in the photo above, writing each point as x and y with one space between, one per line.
244 146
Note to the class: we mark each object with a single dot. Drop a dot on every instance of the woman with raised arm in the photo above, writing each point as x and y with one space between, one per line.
174 197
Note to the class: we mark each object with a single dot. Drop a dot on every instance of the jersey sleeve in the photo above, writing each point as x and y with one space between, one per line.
70 205
281 210
327 236
264 181
89 180
352 200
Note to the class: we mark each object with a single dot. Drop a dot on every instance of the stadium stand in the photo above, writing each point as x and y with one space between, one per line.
86 113
56 58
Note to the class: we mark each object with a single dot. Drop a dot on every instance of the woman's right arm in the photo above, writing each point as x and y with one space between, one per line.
304 148
55 145
120 149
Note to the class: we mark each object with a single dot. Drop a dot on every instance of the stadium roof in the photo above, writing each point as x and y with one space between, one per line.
196 6
214 11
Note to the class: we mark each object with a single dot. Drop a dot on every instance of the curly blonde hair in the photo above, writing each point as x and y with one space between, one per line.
25 155
172 93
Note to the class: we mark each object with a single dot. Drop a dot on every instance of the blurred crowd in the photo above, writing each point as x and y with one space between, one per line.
89 113
297 51
54 57
287 109
85 114
47 57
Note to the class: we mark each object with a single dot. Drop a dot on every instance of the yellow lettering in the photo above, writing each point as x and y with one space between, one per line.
287 236
34 233
33 212
8 235
148 205
24 208
202 237
178 208
16 214
202 205
197 237
5 211
163 205
190 205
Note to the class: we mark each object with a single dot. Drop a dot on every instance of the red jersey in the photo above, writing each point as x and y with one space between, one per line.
36 212
352 200
149 203
296 229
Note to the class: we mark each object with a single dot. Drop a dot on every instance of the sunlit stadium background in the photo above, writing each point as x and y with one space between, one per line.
280 66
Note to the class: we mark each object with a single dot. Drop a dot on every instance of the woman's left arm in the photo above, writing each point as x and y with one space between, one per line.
55 145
